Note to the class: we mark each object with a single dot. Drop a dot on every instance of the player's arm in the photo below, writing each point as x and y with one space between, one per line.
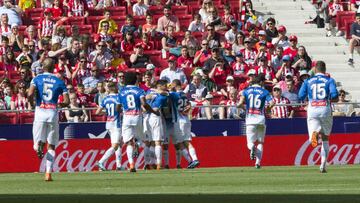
31 93
99 111
241 102
66 100
303 91
147 107
334 95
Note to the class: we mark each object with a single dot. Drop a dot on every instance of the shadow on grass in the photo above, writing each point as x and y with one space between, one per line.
176 198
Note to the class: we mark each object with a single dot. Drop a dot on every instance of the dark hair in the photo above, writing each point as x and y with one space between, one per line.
258 79
342 91
148 73
112 86
167 7
40 52
161 82
129 16
320 66
106 11
130 78
80 85
177 82
272 20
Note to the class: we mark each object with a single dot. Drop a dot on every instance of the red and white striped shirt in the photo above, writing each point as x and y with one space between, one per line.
281 111
5 30
77 8
46 27
249 56
21 104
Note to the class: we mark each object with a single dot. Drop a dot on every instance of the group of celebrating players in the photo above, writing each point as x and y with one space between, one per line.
162 113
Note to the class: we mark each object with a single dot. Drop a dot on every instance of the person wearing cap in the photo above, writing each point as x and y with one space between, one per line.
216 57
202 55
173 72
292 49
262 40
268 71
227 53
240 68
185 60
271 31
168 20
286 69
280 111
282 40
262 52
302 60
138 59
230 84
249 52
13 12
230 35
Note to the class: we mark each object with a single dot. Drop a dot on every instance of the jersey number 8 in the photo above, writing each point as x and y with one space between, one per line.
130 100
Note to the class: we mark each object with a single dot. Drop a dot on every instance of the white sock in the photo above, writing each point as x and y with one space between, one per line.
158 154
324 153
50 157
147 155
351 56
178 157
259 151
193 153
186 155
166 157
250 145
107 155
129 152
118 157
152 155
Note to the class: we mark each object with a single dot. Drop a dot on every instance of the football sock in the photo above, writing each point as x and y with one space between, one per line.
351 56
250 145
118 156
152 155
186 155
146 155
129 152
193 153
107 155
50 157
324 153
259 151
158 154
178 157
166 157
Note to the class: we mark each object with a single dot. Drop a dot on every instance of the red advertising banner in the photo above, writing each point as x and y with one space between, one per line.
217 151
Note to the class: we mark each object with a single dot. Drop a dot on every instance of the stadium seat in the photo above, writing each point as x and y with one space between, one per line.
188 72
8 118
94 22
347 30
120 20
34 12
26 117
14 76
139 20
95 12
342 17
185 20
76 21
117 10
85 29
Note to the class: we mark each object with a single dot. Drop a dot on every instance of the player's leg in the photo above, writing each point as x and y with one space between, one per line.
152 155
169 131
261 130
39 138
326 126
118 157
314 127
115 143
128 133
251 137
52 132
157 132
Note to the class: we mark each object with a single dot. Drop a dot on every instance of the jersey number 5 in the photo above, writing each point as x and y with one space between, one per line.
318 91
47 92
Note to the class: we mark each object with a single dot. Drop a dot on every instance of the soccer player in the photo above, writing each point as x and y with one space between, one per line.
320 91
132 99
255 98
182 129
113 124
47 88
149 148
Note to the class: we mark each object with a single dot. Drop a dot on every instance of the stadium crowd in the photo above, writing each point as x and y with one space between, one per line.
214 47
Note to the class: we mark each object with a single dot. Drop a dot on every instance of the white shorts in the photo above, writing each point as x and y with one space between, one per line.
156 128
320 124
115 135
255 132
132 131
185 129
146 124
45 132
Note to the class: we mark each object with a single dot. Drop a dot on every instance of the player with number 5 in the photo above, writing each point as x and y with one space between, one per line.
255 98
320 91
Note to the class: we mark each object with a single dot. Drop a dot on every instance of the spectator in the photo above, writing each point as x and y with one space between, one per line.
227 54
57 9
231 34
78 8
73 53
168 41
26 4
271 31
214 38
268 71
74 34
146 43
16 39
276 60
4 47
215 20
113 27
25 76
251 75
149 27
81 70
76 112
341 108
354 5
90 83
240 68
5 28
36 67
82 98
196 25
219 74
121 81
148 78
59 36
8 93
228 18
140 9
13 12
282 39
292 50
238 43
127 44
249 12
104 32
138 59
24 58
355 38
207 81
32 50
185 60
62 65
303 75
10 63
202 55
100 57
286 69
204 11
101 93
334 7
173 72
291 92
280 111
252 30
230 85
48 3
191 43
249 52
215 58
302 61
103 4
230 111
46 25
19 100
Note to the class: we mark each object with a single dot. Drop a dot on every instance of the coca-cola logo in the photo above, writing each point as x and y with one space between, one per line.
83 160
338 154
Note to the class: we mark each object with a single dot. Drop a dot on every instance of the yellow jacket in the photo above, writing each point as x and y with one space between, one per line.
113 27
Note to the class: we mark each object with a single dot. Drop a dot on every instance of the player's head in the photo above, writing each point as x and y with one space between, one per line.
112 87
176 84
161 85
130 78
320 67
258 80
48 65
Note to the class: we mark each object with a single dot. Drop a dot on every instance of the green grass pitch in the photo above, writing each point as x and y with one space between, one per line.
244 184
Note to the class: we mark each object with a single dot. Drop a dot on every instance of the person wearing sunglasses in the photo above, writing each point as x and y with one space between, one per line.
281 111
90 83
100 56
271 31
19 101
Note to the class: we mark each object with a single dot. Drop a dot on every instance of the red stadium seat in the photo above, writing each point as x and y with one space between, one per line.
342 17
8 118
185 21
76 21
347 30
26 117
139 20
95 12
14 76
117 11
94 22
34 12
85 29
120 20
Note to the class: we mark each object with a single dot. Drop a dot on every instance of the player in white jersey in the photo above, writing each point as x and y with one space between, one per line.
320 91
255 98
47 88
112 106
